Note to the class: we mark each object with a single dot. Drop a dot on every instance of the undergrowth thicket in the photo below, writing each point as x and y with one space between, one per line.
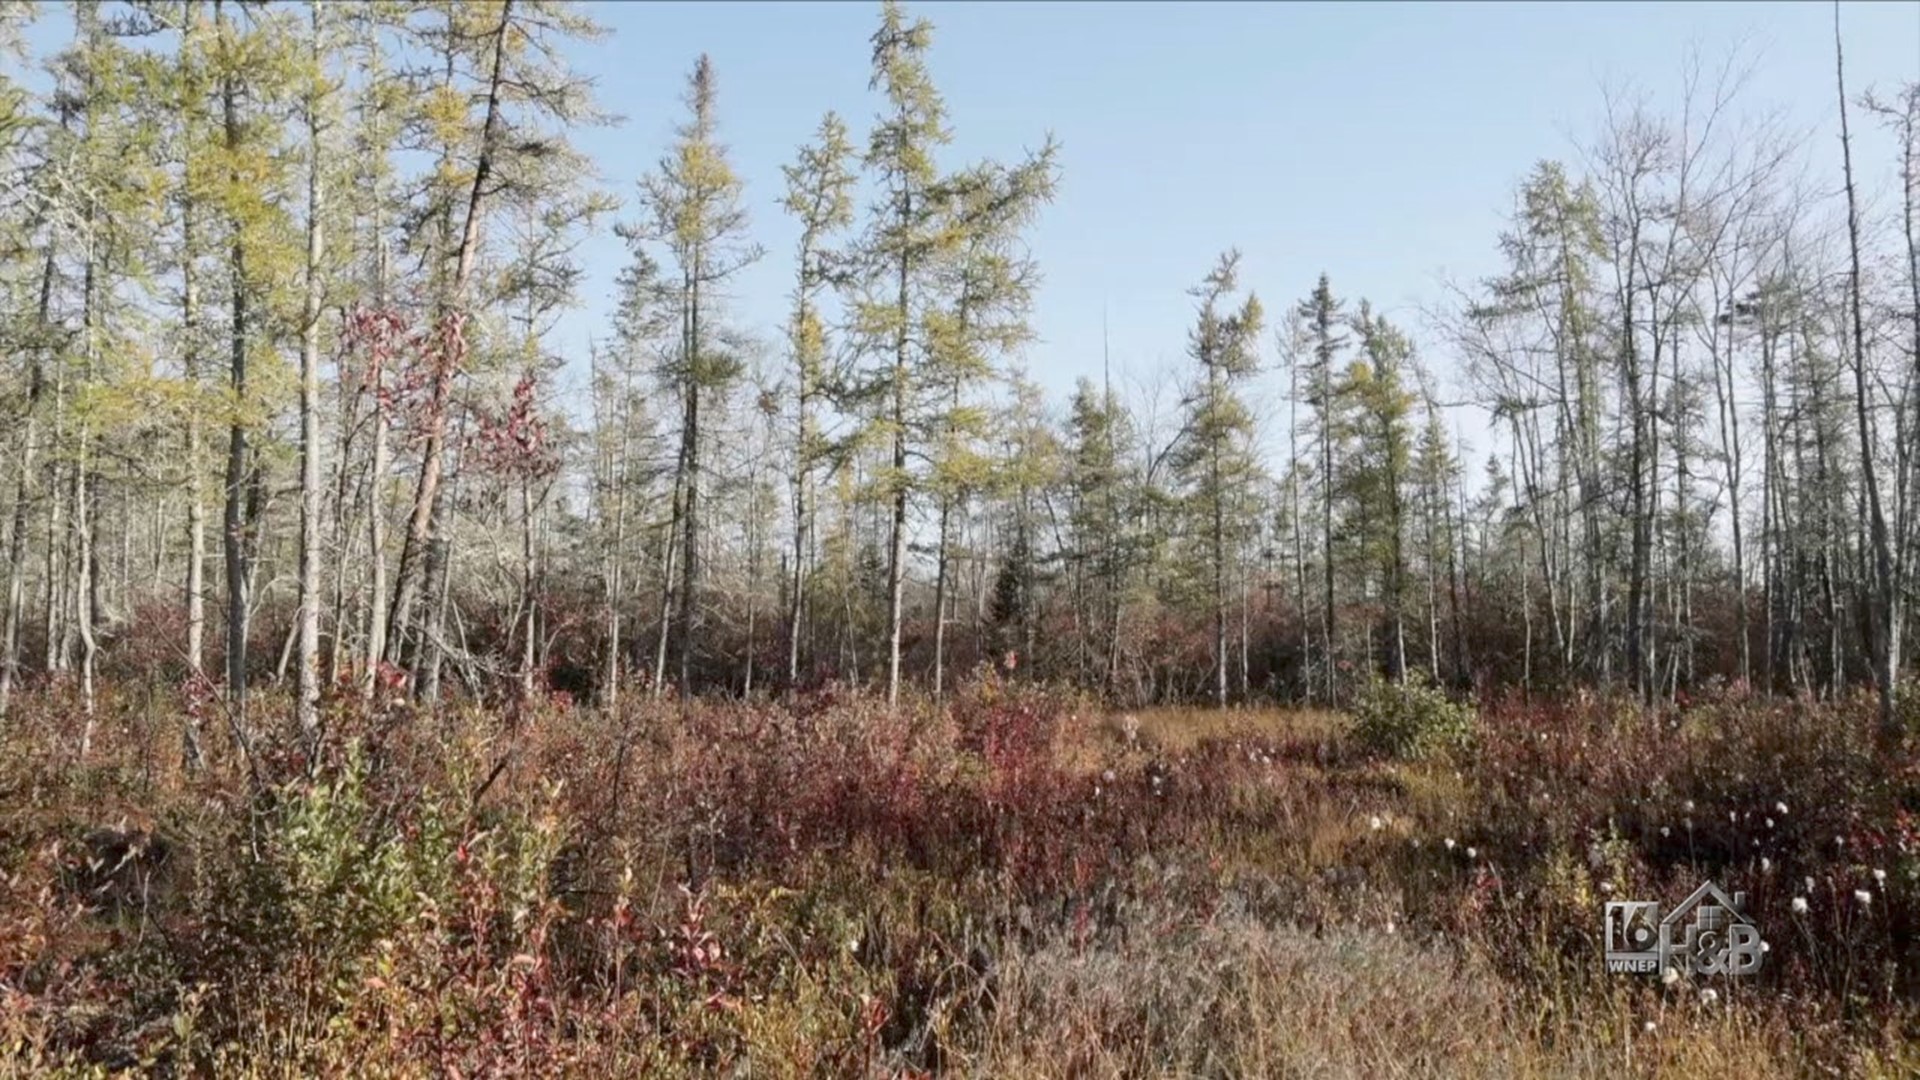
1013 883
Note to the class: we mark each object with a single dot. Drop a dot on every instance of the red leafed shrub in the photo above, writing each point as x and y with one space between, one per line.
836 887
1794 805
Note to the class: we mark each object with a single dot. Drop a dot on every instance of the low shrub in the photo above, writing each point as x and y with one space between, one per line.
994 886
1410 719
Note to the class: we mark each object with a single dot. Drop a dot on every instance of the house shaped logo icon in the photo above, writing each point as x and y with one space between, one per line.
1709 933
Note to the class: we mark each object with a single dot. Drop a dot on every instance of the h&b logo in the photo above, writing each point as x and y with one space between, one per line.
1707 934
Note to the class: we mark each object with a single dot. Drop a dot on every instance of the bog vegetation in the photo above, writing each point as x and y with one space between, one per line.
825 700
1009 884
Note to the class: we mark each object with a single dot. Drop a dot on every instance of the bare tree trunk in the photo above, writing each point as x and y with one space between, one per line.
1909 516
307 695
1427 514
1329 648
1396 581
610 662
439 593
85 594
1885 653
54 610
377 527
940 576
376 613
1638 659
1526 621
690 540
897 543
1116 568
1297 520
439 599
668 553
1904 117
1655 534
1246 627
527 587
1029 642
753 573
412 574
1219 545
83 613
234 521
616 551
1456 560
797 600
803 511
23 490
196 478
1729 414
1773 570
344 613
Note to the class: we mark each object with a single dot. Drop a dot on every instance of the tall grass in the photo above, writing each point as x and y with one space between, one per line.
1016 883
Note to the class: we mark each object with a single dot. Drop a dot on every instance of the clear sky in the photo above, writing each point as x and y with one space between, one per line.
1378 142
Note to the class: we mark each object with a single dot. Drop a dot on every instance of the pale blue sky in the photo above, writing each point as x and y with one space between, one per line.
1379 142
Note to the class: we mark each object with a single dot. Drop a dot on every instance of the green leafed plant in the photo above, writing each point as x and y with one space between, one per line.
1410 720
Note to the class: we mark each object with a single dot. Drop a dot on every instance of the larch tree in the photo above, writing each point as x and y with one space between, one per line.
107 184
504 56
939 286
1224 342
1375 477
1436 472
1025 472
1099 438
549 213
317 102
1695 402
26 295
1322 322
645 338
254 76
989 282
375 335
907 234
695 201
820 197
1545 305
187 90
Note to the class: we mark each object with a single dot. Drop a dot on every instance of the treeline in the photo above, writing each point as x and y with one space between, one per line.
279 400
